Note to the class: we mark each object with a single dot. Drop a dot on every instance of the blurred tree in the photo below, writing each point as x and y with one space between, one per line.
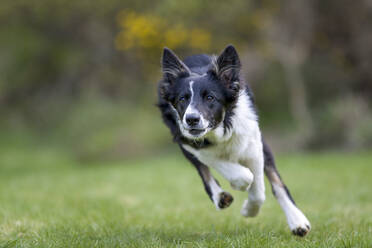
65 62
289 34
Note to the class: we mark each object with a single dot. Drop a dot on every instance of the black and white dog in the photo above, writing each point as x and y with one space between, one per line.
211 114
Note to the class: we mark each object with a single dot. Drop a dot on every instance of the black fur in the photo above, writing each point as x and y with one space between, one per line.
200 168
198 63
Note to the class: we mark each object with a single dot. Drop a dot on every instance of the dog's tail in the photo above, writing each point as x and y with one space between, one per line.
297 221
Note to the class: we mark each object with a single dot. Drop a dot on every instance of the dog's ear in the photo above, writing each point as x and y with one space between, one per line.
227 67
172 66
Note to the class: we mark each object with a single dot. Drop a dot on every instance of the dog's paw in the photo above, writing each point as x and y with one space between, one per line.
301 230
251 208
224 200
298 223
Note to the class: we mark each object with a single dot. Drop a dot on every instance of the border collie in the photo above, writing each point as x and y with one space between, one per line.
211 114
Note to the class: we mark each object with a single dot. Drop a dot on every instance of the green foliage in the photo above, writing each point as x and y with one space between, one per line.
56 53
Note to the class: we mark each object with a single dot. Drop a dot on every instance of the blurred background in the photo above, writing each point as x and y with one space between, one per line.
81 76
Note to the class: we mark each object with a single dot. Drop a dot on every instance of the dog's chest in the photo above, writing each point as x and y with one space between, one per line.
242 143
239 143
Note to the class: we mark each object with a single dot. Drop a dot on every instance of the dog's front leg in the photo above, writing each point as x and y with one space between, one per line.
256 196
219 197
239 177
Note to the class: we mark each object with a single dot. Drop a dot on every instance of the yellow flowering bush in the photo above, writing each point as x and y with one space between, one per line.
145 31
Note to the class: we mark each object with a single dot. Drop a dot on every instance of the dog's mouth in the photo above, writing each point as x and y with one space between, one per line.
196 132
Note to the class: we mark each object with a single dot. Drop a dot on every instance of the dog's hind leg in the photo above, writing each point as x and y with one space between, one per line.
297 221
219 197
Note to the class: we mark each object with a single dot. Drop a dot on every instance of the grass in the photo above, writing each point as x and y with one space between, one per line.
50 200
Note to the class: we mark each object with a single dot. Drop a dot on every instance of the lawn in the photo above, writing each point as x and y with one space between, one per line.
48 199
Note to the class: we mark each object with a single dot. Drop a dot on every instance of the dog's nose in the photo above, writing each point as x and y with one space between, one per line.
192 119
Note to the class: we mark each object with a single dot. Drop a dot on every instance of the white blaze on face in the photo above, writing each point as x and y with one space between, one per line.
192 110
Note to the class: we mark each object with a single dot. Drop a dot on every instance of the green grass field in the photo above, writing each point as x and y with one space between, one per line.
49 200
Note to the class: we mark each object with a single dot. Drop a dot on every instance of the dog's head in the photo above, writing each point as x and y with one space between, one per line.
200 93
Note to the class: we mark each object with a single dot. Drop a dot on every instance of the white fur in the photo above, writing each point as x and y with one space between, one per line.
237 155
239 177
190 109
215 190
295 218
256 195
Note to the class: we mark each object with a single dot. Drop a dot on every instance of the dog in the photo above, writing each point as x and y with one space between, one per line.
211 114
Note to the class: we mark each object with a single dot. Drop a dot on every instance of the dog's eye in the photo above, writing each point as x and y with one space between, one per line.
182 99
210 98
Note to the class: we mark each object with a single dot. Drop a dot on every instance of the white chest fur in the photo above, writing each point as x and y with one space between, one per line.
241 143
